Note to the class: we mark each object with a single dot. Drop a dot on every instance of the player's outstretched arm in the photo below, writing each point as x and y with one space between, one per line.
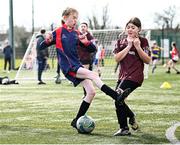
88 44
49 40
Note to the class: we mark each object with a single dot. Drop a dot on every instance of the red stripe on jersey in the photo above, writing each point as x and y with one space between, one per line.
71 73
77 32
58 39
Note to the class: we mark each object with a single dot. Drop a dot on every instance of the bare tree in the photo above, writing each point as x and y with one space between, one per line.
21 40
105 17
94 22
90 23
166 18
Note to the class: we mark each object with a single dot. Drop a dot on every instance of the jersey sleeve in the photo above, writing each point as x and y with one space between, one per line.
145 46
91 47
119 46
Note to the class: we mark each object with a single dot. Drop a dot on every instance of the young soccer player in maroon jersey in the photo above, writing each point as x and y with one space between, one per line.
67 39
131 52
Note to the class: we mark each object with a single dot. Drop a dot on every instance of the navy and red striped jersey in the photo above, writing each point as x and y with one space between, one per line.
67 42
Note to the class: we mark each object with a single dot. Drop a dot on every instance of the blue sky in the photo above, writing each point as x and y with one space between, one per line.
49 11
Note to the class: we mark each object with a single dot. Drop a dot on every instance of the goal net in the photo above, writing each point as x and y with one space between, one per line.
28 68
107 67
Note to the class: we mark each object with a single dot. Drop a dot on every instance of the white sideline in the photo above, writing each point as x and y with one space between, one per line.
170 133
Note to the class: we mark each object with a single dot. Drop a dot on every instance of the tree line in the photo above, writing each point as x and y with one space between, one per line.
164 20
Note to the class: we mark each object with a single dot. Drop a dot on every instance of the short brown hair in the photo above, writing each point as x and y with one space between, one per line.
69 11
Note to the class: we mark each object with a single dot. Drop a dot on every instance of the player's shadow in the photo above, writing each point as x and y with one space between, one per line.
96 134
140 137
6 128
148 138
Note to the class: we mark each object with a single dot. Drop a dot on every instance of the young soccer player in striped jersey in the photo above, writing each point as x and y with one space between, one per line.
67 39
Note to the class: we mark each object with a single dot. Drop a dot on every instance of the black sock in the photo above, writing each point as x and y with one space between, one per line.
121 115
153 69
169 69
83 109
110 92
84 91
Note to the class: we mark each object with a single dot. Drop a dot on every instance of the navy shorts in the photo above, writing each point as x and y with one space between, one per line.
71 76
96 61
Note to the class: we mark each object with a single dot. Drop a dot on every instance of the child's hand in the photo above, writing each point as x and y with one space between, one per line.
136 43
130 41
49 38
83 39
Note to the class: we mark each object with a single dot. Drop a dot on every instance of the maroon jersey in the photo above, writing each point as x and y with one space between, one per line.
84 54
132 66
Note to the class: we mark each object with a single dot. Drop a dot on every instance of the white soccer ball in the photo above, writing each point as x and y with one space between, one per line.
85 124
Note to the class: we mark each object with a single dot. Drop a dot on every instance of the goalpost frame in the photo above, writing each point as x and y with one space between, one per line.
107 38
25 55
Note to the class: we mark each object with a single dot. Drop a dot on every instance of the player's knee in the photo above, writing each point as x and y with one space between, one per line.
91 92
95 75
90 95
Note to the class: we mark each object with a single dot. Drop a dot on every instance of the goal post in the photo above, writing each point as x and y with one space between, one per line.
28 62
28 68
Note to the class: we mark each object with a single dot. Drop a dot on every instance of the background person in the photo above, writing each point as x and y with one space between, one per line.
102 56
155 55
84 54
97 58
7 51
174 59
58 77
42 55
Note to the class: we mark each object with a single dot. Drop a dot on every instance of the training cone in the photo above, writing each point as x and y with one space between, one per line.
166 85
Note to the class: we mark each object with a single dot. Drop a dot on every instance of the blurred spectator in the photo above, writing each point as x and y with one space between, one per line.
85 55
102 57
155 53
97 58
42 55
174 59
7 51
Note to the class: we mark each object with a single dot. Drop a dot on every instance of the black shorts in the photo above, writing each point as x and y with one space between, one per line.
175 61
124 84
155 58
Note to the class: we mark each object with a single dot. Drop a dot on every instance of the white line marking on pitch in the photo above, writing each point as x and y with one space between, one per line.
170 133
